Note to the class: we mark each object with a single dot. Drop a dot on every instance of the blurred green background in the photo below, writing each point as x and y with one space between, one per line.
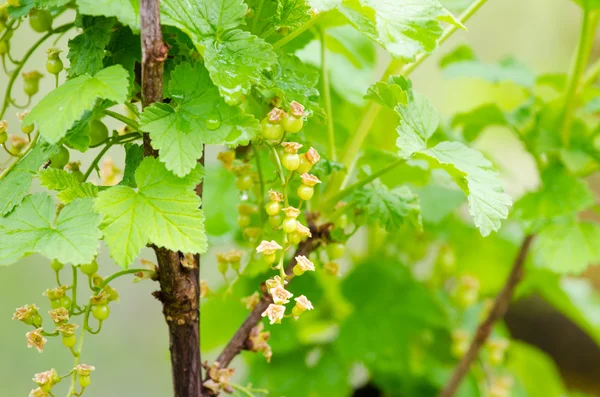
131 354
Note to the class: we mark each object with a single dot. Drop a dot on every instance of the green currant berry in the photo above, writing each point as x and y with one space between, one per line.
304 165
3 47
296 311
89 269
290 161
54 66
290 225
78 175
244 220
244 182
342 221
295 238
46 387
273 208
305 192
60 159
335 250
298 271
55 303
65 302
270 259
292 124
56 265
27 129
212 123
98 132
275 221
84 381
36 320
31 87
270 131
223 266
100 312
3 138
69 341
40 20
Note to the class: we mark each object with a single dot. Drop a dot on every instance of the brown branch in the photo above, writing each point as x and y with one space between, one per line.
239 340
485 328
179 285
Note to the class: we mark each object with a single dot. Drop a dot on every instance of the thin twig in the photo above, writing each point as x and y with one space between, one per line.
485 328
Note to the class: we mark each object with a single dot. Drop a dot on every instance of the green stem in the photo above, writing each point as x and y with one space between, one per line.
261 180
124 119
97 160
77 354
327 98
591 75
257 13
286 39
588 27
351 151
74 291
347 191
122 273
8 169
27 55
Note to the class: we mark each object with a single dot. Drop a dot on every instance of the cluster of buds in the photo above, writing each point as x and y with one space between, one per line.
466 292
219 379
231 258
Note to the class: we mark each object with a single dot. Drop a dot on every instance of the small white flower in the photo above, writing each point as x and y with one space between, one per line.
38 393
275 313
44 378
291 212
268 247
303 303
280 295
304 263
274 282
84 369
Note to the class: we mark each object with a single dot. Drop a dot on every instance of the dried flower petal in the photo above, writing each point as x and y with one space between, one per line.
276 115
303 230
296 109
24 313
291 212
251 301
291 147
204 290
274 282
84 369
312 156
309 180
38 393
67 329
275 196
59 315
44 378
303 303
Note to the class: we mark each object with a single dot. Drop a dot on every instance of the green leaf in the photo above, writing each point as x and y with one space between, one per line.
126 11
291 14
234 58
461 53
567 247
476 176
437 202
134 154
178 130
403 27
86 50
588 5
390 94
292 80
418 121
235 62
390 208
506 70
68 186
535 371
71 238
16 183
164 210
561 194
56 113
478 119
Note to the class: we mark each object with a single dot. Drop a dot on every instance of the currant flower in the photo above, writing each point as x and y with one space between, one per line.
268 249
258 341
303 264
273 207
27 314
302 305
275 196
151 274
274 282
55 293
280 295
45 380
290 159
275 313
276 115
67 329
251 301
306 189
219 378
3 126
38 393
59 315
84 371
36 340
204 289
